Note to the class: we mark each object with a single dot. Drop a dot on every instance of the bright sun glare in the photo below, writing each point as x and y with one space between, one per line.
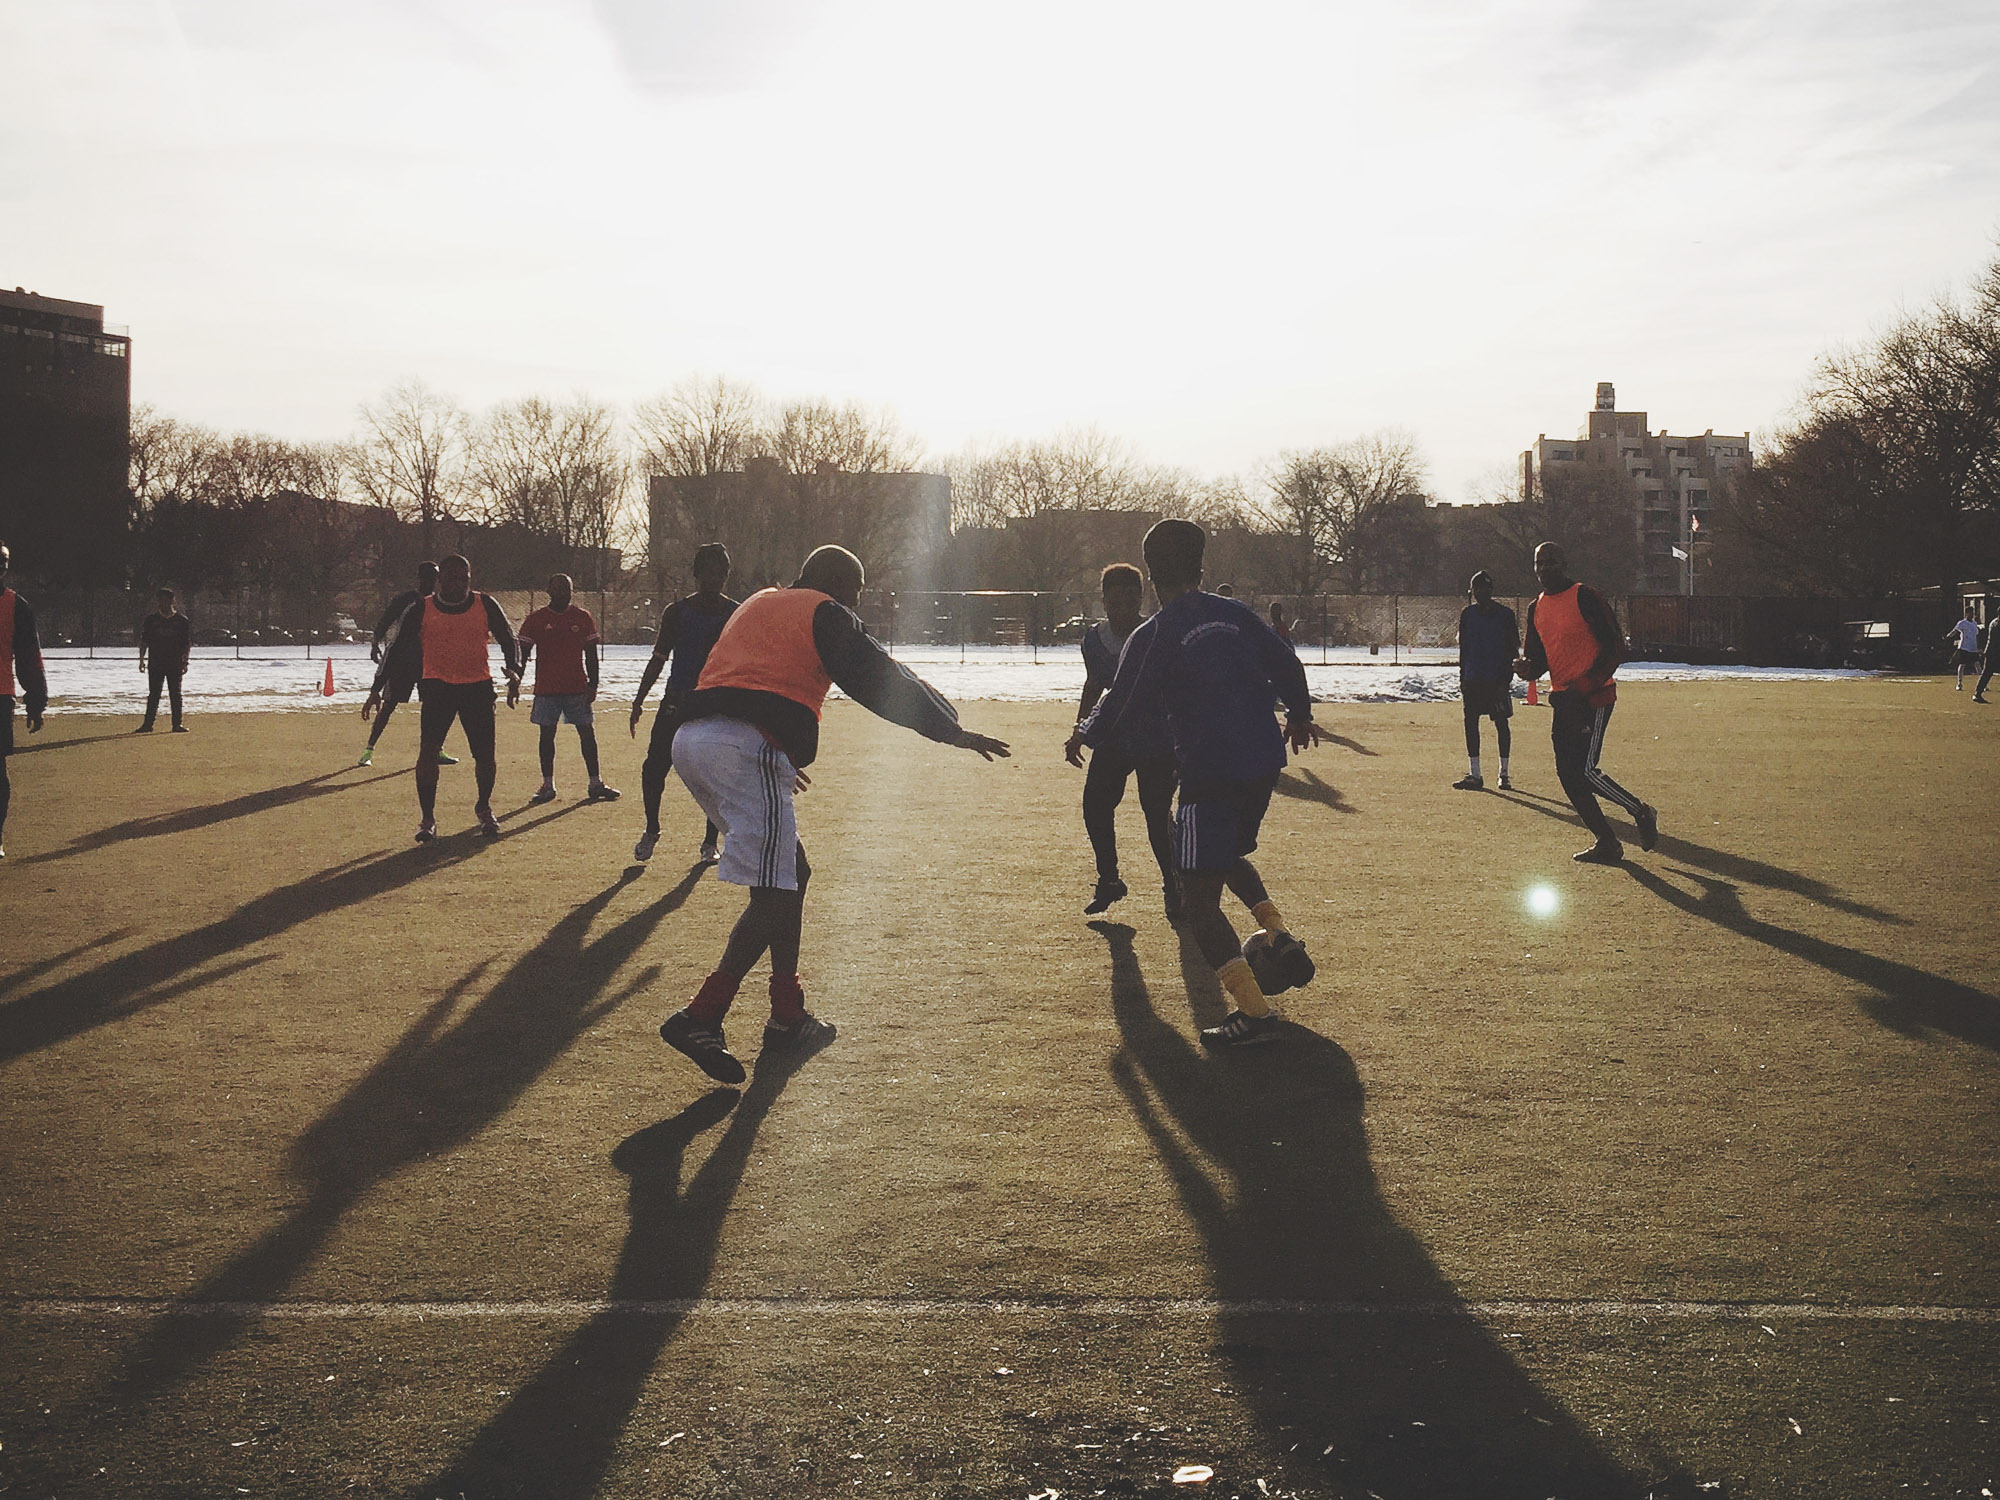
1542 900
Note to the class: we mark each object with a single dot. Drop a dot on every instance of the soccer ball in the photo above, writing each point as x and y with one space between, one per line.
1257 953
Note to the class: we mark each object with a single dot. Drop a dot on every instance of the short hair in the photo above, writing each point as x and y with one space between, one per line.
709 553
1121 576
426 569
164 591
1481 577
1173 552
831 570
6 557
455 560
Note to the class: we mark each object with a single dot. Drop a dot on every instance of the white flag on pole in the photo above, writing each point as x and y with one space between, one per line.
1680 554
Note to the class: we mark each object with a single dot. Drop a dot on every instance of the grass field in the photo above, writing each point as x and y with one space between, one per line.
334 1165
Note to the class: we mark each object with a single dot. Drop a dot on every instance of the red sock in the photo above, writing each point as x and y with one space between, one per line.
711 1001
788 999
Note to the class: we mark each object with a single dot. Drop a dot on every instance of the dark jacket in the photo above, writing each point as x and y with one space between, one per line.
860 667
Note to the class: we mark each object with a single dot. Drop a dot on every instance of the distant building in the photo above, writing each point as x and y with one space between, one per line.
769 518
65 422
1671 480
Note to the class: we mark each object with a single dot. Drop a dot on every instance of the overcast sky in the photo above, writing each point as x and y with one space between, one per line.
1215 231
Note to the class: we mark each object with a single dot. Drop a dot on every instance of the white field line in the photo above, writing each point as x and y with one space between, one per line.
97 1308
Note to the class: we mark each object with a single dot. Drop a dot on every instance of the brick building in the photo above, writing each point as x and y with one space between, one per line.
65 419
1670 480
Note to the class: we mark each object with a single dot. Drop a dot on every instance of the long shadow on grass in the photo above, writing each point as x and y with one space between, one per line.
1306 787
559 1433
1907 999
25 746
188 819
447 1078
1270 1159
160 971
1736 867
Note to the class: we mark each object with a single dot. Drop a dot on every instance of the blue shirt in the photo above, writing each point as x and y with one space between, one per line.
1143 733
695 632
1213 667
1488 641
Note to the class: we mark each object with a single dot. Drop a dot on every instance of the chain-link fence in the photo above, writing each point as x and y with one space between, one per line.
1394 628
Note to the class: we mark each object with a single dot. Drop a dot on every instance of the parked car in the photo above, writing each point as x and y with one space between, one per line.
215 635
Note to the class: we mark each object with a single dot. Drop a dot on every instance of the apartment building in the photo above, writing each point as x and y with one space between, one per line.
1671 480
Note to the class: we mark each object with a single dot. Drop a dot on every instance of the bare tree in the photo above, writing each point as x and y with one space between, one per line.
834 459
410 455
555 471
1354 513
693 445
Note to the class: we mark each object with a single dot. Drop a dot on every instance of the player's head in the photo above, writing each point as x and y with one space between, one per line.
561 590
163 599
427 577
834 571
6 562
710 567
1173 555
1481 587
1551 568
454 578
1277 612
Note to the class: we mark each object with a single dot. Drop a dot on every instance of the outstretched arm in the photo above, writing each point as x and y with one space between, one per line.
868 674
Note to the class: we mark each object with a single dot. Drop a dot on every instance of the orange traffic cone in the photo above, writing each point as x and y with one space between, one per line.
1534 689
326 688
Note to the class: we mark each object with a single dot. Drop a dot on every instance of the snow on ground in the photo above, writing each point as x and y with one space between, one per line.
277 679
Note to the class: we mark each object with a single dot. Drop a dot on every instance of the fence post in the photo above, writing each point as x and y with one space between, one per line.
1396 629
1322 630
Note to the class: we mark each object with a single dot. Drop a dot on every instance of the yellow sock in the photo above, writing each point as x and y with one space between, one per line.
1242 986
1268 917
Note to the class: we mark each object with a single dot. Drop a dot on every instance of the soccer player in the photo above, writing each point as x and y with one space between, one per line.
1214 668
748 731
1141 747
565 682
1990 648
688 631
165 638
1965 648
1574 637
1489 641
440 644
20 672
398 691
1281 624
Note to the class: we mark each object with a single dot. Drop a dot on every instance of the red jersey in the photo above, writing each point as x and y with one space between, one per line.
559 636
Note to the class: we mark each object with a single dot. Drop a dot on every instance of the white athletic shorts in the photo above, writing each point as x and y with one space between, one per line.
744 783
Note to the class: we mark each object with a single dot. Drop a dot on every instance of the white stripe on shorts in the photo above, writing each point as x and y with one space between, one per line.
744 784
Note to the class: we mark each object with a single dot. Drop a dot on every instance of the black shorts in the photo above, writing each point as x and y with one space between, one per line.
6 725
471 703
1218 822
1964 658
1487 700
394 691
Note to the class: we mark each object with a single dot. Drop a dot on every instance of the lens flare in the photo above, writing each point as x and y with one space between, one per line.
1542 900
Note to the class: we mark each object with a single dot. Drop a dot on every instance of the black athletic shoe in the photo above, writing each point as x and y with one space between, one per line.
1107 892
1241 1030
703 1046
144 729
1601 854
1648 819
489 825
427 830
1469 784
807 1034
180 729
1280 965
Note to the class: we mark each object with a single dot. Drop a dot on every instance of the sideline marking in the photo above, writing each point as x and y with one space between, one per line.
894 1307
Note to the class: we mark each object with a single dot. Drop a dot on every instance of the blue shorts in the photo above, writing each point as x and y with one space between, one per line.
560 708
1218 825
